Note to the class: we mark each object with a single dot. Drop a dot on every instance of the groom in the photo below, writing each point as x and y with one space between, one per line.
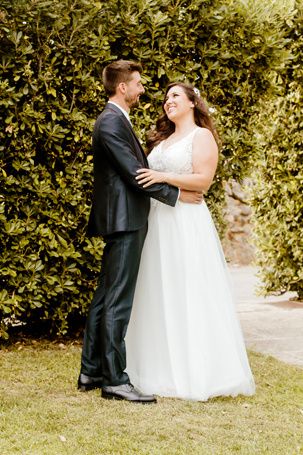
119 214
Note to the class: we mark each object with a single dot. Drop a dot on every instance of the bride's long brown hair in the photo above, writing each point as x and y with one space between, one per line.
165 127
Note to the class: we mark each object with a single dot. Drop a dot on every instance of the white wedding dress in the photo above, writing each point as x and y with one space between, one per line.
184 338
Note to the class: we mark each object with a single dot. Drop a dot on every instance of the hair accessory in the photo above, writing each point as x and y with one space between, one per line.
197 92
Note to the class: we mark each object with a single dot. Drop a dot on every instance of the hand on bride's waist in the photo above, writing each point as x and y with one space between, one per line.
191 197
147 177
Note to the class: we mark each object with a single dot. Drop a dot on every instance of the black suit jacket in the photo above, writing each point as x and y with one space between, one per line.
119 202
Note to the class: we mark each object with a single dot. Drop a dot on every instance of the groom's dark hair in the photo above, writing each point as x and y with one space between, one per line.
117 72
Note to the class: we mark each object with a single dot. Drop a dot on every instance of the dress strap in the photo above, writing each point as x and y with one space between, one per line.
192 134
194 131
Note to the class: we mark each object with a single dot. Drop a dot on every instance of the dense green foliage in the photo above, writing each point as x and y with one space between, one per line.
52 53
277 196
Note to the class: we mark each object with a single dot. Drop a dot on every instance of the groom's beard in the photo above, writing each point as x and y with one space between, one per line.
132 101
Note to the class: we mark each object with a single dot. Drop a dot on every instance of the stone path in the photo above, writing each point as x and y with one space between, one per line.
271 325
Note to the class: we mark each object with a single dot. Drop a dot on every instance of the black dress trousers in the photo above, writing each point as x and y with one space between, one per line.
103 353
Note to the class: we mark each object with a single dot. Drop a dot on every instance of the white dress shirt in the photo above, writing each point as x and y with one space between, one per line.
122 110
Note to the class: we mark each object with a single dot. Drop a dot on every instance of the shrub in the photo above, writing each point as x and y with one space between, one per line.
50 93
276 196
52 53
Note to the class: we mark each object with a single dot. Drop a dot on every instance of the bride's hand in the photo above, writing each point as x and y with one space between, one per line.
148 177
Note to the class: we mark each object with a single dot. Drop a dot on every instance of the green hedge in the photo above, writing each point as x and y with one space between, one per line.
52 53
277 196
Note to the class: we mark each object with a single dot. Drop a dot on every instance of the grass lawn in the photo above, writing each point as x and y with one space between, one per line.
41 412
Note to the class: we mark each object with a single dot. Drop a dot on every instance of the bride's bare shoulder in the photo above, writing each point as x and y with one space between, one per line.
203 132
204 136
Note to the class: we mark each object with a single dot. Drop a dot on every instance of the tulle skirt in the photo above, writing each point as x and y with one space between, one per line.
184 339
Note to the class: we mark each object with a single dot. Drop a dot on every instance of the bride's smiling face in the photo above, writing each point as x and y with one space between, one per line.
176 104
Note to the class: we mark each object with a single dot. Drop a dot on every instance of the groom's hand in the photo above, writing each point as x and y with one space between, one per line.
191 197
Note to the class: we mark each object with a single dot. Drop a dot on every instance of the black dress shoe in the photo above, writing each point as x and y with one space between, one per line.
126 392
86 383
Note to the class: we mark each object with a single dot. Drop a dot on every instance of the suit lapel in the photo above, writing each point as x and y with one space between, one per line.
138 150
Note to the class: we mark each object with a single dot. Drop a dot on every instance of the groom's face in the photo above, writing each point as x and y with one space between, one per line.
133 89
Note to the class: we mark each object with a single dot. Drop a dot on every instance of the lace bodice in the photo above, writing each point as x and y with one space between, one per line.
174 158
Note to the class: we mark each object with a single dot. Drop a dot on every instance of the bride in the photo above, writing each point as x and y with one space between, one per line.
184 339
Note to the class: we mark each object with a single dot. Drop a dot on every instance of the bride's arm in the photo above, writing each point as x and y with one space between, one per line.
205 160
